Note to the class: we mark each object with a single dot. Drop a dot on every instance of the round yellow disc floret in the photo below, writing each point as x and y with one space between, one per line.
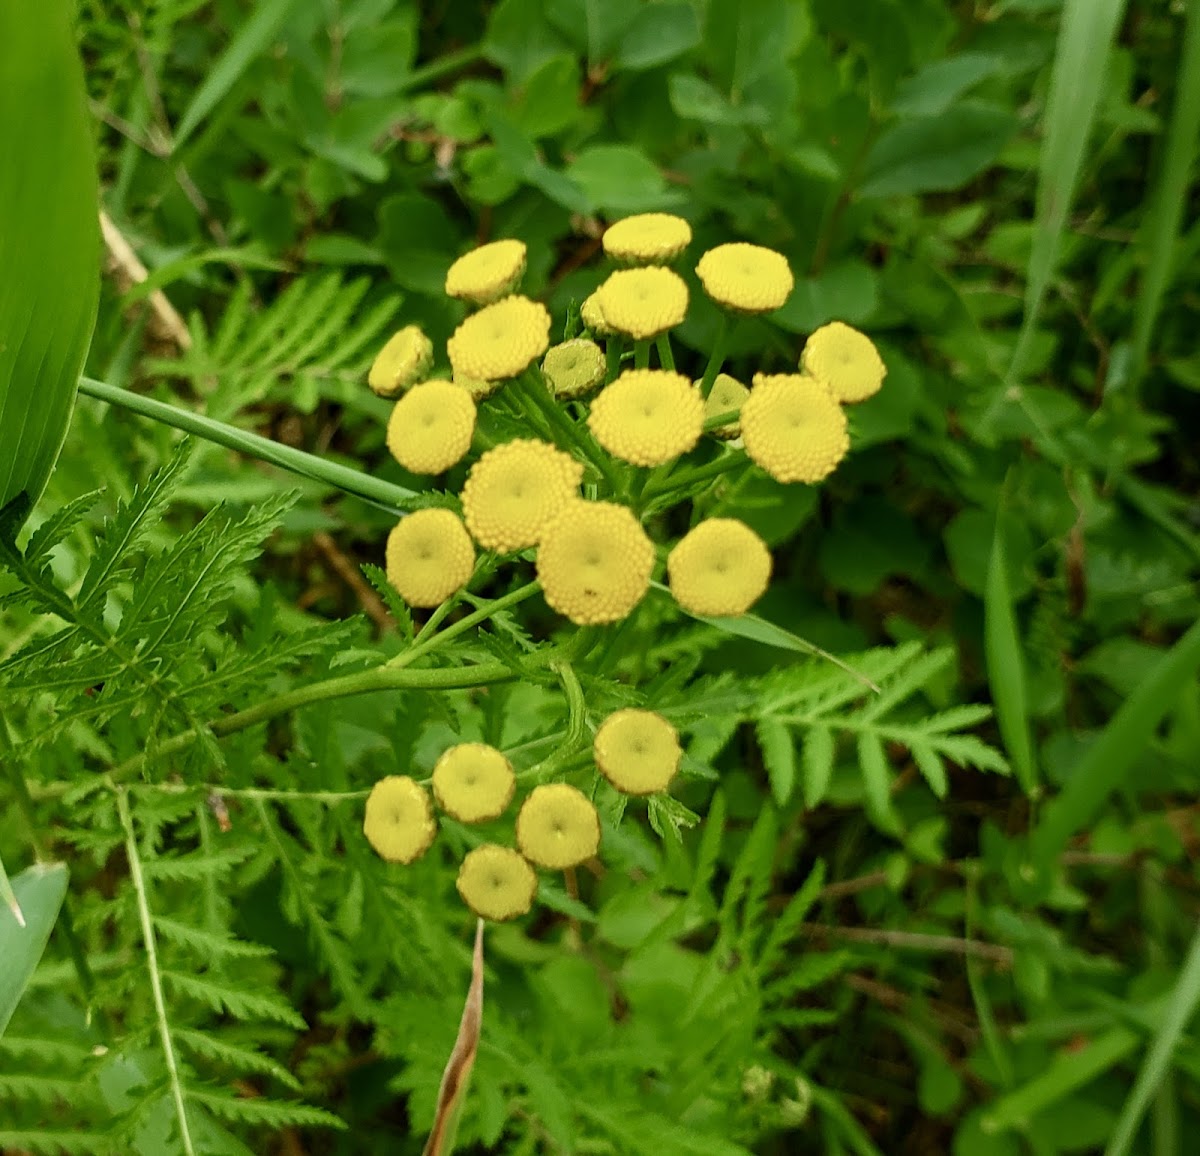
488 273
642 303
574 368
745 278
431 427
473 782
592 316
726 396
793 427
500 340
637 751
407 357
845 360
476 388
399 822
648 416
429 556
594 562
647 238
496 882
720 567
558 827
514 491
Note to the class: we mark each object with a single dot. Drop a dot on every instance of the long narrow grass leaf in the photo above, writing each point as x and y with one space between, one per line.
39 891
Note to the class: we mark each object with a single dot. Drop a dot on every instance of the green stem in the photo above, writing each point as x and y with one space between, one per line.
443 66
713 469
576 704
717 357
613 348
641 355
666 358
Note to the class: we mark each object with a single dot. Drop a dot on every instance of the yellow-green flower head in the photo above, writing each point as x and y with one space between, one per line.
399 822
794 428
476 388
593 316
407 357
558 827
500 340
431 427
473 782
648 416
745 278
845 360
637 751
513 492
594 562
726 396
647 238
429 556
575 367
720 568
488 273
496 883
643 303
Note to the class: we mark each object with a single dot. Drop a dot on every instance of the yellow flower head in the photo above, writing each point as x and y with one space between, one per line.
575 367
593 316
637 751
594 562
496 883
793 427
726 396
473 782
647 239
745 278
648 416
488 273
514 491
429 556
558 827
845 360
407 357
500 340
720 567
399 821
643 303
431 427
475 387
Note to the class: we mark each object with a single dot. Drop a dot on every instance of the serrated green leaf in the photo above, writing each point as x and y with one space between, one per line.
816 761
779 755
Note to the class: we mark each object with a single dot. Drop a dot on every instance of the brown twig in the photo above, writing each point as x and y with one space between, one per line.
349 573
130 272
915 941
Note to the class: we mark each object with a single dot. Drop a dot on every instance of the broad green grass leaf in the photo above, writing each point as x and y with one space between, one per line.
49 239
39 892
9 896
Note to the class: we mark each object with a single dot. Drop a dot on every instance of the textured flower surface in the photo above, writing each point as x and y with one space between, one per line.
558 827
643 303
720 567
647 238
407 357
429 556
475 387
794 428
514 491
501 340
496 882
431 427
399 822
488 273
594 562
637 751
592 316
574 368
473 782
648 416
745 278
845 360
726 396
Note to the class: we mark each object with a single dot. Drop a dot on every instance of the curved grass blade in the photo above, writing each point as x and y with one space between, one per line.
38 892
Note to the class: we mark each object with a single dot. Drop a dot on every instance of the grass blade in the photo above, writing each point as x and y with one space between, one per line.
39 892
10 896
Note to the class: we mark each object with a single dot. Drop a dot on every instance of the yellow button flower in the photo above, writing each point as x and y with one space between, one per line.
500 340
575 367
593 317
643 303
647 238
473 782
794 428
429 556
475 387
431 427
398 822
594 562
496 882
648 416
720 567
558 827
488 273
726 396
514 491
745 278
637 751
845 360
407 357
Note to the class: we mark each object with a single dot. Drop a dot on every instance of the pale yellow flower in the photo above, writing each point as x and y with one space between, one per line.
647 238
488 273
794 428
648 416
496 882
500 341
845 360
558 827
726 396
407 357
574 368
719 568
642 303
473 782
429 556
745 278
431 427
398 822
637 751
